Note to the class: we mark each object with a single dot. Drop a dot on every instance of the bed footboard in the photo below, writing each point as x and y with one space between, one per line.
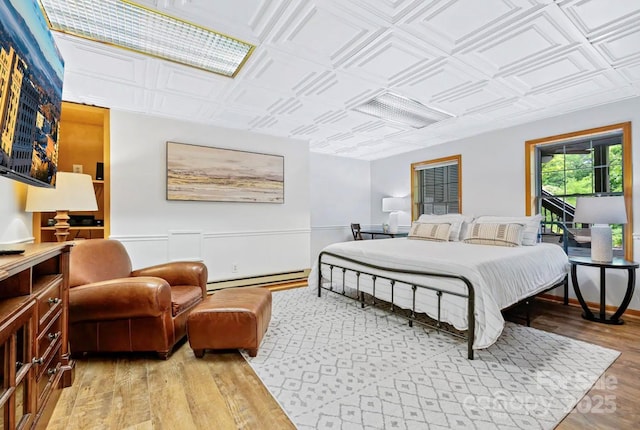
387 274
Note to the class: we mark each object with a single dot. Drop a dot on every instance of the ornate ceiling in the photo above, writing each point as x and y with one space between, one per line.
490 63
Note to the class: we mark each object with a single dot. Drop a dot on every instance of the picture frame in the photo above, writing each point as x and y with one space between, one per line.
205 173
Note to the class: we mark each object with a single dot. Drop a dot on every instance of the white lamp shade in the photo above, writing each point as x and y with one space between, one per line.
41 199
392 204
73 192
600 210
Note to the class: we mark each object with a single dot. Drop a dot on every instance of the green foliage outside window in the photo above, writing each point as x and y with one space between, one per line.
568 176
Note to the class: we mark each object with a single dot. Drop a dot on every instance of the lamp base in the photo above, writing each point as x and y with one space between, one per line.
62 225
393 222
601 249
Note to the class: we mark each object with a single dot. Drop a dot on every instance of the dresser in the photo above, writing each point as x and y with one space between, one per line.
34 352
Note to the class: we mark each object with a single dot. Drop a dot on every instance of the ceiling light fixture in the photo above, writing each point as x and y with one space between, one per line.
402 110
128 25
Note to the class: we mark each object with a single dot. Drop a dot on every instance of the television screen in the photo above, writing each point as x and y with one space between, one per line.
31 73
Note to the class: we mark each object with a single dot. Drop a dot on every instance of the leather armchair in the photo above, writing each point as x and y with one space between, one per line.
115 309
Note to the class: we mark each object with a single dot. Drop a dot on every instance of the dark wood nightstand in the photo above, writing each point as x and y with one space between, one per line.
617 263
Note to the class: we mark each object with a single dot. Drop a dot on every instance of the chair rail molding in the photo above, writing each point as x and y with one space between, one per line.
212 235
209 235
330 227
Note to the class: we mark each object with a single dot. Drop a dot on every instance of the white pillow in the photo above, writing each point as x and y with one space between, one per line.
531 225
456 221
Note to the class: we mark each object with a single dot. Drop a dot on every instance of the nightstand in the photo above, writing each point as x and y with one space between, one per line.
617 263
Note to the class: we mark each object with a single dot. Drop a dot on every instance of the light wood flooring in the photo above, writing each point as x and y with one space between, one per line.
221 391
624 373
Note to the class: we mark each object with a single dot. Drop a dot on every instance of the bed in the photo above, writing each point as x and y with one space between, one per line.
465 285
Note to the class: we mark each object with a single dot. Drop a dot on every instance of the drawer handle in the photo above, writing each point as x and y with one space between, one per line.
53 336
53 301
36 360
52 371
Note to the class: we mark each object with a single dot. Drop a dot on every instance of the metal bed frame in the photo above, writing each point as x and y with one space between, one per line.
470 295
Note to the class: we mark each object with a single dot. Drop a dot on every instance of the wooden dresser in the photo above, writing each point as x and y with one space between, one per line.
34 352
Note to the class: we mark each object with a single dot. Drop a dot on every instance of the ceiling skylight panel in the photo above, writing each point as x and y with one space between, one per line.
128 25
399 109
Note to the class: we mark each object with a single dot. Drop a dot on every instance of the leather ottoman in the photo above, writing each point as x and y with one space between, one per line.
235 318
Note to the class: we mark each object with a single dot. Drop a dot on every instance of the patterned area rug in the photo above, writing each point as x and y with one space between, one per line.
332 365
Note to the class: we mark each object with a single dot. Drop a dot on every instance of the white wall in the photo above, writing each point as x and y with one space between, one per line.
323 194
15 223
340 194
493 175
257 238
390 182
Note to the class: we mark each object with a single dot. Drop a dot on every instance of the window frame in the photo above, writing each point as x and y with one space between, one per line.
415 180
531 172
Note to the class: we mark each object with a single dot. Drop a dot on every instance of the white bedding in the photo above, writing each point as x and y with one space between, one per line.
501 276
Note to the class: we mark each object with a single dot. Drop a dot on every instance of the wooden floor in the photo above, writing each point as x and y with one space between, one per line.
614 401
221 391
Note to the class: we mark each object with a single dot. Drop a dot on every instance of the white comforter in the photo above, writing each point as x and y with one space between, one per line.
501 276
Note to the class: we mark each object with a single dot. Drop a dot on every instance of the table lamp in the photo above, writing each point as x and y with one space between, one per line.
601 212
73 192
393 205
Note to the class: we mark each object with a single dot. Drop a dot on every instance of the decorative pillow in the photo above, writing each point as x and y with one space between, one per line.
456 221
428 231
495 234
531 225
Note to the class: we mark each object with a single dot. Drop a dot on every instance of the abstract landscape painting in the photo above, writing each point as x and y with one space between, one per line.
223 175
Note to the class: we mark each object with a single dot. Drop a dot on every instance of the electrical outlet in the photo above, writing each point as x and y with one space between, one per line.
234 268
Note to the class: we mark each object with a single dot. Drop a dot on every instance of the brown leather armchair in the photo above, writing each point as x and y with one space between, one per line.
115 309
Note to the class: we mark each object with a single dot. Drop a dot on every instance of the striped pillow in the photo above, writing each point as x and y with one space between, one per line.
494 234
427 231
458 223
530 225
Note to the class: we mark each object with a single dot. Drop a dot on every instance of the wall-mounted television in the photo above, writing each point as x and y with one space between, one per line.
31 74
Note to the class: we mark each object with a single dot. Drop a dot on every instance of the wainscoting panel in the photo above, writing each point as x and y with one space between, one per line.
145 250
228 255
185 245
232 255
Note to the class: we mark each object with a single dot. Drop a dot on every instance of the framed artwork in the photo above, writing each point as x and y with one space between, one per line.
203 173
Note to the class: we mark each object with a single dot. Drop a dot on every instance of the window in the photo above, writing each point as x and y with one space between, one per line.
594 162
435 186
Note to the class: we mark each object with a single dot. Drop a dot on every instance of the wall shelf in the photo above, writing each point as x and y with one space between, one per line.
84 141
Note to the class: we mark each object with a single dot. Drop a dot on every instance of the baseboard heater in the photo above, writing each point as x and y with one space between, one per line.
261 280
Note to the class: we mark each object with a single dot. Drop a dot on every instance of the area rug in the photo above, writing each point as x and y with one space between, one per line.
332 365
